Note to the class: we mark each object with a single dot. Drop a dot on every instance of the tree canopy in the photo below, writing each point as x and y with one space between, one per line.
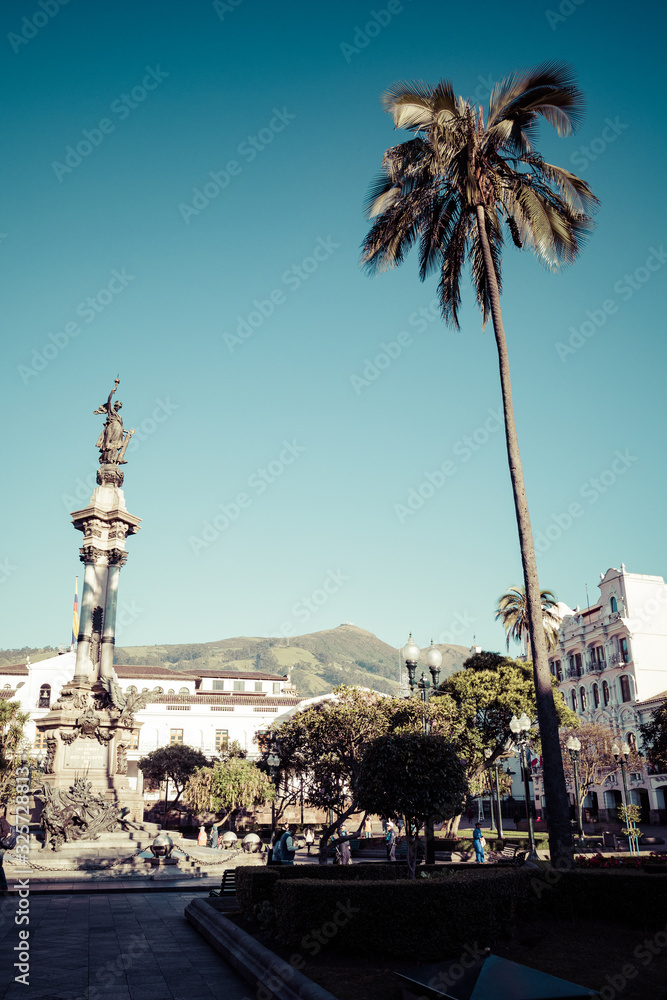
227 788
13 744
512 611
416 775
174 763
595 762
654 738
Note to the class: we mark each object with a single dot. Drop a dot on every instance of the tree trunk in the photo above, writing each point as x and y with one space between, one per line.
555 793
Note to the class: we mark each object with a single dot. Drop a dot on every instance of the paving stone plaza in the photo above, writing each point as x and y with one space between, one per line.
116 946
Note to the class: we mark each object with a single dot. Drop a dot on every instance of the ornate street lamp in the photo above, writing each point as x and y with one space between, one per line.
411 654
273 760
520 728
574 747
621 756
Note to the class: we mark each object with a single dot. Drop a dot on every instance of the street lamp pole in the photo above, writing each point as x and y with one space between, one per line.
273 760
520 729
621 756
574 746
411 653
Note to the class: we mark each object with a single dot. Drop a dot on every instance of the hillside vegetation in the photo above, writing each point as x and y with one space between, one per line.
316 662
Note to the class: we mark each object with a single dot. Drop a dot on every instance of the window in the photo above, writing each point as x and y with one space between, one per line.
276 687
613 604
175 737
552 667
632 742
571 659
44 696
132 689
40 740
218 685
625 688
134 740
171 691
582 695
239 685
559 670
625 653
221 739
596 696
183 691
574 700
577 662
605 693
144 690
259 686
158 690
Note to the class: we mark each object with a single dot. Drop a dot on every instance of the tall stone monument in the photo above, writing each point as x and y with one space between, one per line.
89 728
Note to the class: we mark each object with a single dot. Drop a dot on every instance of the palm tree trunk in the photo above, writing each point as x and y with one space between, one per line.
555 793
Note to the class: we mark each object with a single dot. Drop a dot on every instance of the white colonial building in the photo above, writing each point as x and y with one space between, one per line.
206 709
611 665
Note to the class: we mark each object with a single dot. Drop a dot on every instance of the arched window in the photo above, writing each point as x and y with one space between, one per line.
183 691
8 687
574 700
44 696
596 696
582 695
624 651
132 689
605 693
614 604
625 688
158 690
171 691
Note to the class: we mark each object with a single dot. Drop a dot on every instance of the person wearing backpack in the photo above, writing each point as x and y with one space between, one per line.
288 845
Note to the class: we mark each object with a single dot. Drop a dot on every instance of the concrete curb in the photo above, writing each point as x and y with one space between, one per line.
259 966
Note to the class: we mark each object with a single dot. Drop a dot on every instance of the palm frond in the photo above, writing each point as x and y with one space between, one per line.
413 103
548 90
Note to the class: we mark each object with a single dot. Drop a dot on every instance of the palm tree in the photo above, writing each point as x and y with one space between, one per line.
512 611
457 186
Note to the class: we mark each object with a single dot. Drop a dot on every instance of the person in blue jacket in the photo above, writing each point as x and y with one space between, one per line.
478 844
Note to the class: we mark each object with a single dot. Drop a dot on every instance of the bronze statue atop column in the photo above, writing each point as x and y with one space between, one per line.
113 440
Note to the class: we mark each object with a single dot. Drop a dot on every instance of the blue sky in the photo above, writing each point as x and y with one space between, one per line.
183 188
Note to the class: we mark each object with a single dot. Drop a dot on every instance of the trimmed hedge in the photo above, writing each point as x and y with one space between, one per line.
631 897
422 919
255 885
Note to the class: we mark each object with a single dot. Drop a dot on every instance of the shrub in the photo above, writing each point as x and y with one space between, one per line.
254 886
423 919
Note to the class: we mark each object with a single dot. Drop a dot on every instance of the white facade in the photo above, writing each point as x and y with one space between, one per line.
612 667
205 709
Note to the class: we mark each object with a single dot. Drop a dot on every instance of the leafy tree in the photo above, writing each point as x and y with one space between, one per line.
596 761
414 775
459 186
324 746
512 611
13 744
228 788
475 705
266 661
176 764
654 738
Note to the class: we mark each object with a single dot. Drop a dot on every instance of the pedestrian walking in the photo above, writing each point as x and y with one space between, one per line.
390 842
309 837
368 828
479 843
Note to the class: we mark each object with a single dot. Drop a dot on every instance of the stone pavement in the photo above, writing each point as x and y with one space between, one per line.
120 946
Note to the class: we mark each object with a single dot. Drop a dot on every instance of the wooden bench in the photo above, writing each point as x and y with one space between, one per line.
227 885
511 855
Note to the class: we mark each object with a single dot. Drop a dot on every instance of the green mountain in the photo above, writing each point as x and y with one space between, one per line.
317 662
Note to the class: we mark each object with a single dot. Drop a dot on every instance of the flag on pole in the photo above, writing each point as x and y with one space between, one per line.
75 615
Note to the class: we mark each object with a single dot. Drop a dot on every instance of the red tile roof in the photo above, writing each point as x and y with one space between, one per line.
19 669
